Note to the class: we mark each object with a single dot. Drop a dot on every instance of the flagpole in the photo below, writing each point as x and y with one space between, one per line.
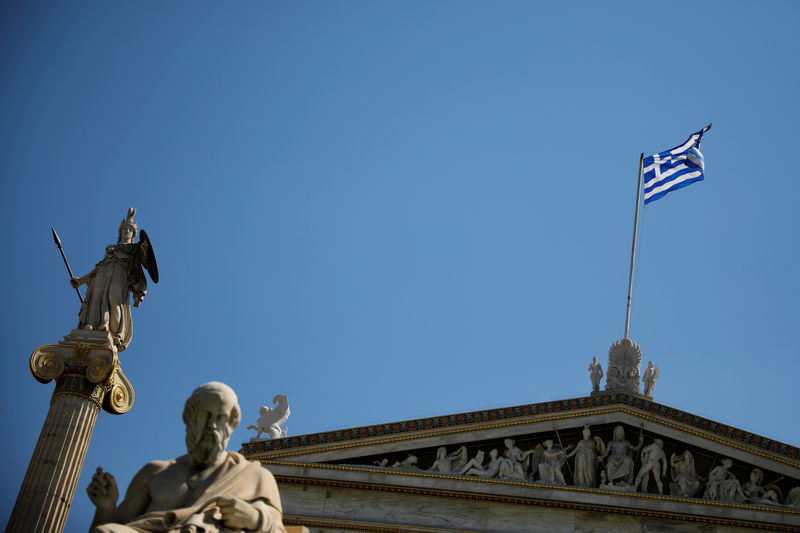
633 246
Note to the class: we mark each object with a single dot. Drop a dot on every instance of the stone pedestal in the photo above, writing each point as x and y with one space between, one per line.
88 377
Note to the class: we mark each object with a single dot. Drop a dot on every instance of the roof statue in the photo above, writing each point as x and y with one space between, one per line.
208 489
111 282
651 374
595 374
272 418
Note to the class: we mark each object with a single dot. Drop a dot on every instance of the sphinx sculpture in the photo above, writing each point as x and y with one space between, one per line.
272 419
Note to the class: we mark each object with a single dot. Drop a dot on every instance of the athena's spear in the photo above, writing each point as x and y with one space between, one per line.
60 249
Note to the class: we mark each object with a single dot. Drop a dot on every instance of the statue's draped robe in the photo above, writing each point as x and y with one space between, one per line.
237 478
107 302
723 486
685 479
586 464
620 464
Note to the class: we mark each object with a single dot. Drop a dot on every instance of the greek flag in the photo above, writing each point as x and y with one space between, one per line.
669 171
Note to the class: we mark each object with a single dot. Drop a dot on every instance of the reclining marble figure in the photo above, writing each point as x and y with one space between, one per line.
208 490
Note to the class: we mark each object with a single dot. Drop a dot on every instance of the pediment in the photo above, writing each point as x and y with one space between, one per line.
404 454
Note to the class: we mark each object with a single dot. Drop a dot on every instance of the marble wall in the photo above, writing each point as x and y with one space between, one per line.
328 510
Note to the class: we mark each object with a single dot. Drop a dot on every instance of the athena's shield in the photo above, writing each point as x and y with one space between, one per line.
148 256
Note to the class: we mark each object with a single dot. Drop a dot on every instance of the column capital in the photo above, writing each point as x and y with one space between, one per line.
85 364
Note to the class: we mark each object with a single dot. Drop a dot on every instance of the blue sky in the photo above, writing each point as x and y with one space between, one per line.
391 210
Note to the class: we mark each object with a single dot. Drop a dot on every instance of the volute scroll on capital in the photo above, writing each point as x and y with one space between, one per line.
119 393
93 356
48 362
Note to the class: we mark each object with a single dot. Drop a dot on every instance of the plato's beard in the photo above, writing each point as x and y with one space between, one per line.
205 446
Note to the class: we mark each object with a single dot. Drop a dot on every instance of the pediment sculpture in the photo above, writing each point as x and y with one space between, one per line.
615 465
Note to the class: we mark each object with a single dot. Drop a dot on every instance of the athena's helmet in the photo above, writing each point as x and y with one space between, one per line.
129 222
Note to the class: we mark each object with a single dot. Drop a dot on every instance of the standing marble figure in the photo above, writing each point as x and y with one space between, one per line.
208 490
651 374
586 452
109 285
596 374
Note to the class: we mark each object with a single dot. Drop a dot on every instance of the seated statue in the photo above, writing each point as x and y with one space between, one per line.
793 499
459 459
685 480
207 490
755 493
619 468
550 467
513 464
451 463
722 485
443 463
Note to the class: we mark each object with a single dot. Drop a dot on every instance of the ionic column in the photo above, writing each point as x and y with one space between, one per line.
88 378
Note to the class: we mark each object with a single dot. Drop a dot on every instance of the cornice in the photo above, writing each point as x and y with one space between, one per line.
524 414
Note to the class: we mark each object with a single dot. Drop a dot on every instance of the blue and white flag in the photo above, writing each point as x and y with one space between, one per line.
669 171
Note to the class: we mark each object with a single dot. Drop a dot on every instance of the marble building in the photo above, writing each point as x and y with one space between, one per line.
614 460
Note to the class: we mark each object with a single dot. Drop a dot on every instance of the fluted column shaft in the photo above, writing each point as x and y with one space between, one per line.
49 485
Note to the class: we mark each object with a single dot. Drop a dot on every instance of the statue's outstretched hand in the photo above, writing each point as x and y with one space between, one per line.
75 282
103 490
237 513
